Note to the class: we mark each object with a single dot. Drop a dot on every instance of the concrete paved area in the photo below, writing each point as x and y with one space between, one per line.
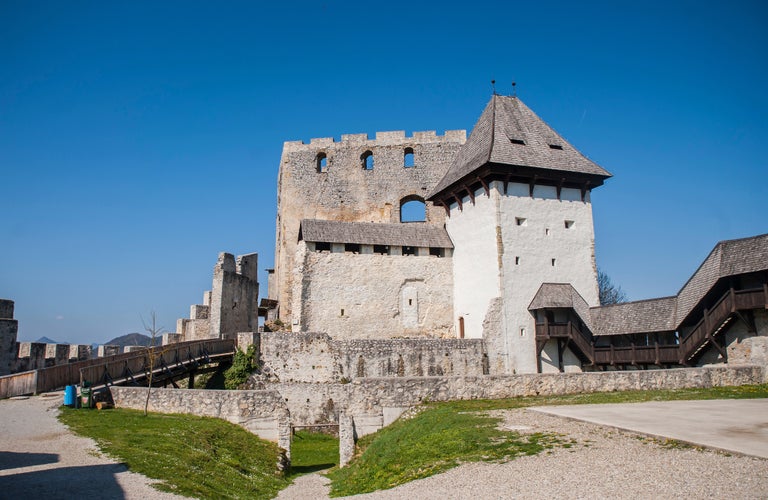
734 425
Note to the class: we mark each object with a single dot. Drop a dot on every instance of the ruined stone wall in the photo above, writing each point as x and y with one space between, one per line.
263 413
230 306
316 358
344 190
373 296
9 328
234 296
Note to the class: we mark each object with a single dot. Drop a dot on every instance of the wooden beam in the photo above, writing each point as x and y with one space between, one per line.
485 186
506 183
458 200
470 193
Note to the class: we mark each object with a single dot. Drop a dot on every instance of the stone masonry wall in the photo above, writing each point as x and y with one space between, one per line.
263 413
316 358
373 296
375 402
9 328
346 191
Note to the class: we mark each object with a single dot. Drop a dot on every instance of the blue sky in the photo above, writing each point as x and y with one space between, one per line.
139 139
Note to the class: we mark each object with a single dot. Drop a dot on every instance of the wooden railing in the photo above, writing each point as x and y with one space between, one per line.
18 384
173 356
93 370
713 319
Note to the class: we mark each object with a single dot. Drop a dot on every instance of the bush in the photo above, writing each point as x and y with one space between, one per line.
243 364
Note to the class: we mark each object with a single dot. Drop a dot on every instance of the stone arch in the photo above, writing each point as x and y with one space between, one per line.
413 208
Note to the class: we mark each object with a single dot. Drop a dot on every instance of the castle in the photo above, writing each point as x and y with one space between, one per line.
499 252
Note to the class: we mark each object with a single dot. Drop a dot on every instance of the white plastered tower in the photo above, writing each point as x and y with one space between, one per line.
519 214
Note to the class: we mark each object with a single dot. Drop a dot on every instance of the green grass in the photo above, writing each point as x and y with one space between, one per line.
193 456
313 451
447 434
435 440
211 458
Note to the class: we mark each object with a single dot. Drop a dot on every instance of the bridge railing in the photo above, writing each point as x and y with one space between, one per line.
56 377
138 364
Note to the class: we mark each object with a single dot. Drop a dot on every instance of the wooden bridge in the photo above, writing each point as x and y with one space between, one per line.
166 363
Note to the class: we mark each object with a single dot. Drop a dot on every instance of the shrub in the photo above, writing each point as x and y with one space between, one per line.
243 364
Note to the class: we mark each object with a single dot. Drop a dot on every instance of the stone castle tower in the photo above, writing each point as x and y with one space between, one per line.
505 211
519 215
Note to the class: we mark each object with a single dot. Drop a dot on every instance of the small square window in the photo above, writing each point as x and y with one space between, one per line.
568 224
521 221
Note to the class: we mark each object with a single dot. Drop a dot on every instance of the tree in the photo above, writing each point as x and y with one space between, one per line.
609 293
152 354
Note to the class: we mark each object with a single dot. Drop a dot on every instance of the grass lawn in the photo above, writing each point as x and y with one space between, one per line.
211 458
193 456
447 434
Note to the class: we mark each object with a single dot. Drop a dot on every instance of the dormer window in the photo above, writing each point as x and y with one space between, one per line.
517 141
556 146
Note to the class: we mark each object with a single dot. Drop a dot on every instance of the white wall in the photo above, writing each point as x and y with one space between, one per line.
475 261
528 252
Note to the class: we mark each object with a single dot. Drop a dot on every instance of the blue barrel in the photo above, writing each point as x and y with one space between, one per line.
70 395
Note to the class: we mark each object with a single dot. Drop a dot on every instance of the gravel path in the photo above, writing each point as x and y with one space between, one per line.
604 463
41 458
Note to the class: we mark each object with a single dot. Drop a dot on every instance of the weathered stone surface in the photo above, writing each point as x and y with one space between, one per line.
346 439
346 191
316 357
9 328
373 296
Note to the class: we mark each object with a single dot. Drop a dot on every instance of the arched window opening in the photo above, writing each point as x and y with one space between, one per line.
408 161
367 160
322 162
413 209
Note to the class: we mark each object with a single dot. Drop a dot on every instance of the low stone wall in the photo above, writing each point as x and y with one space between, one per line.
375 402
263 413
316 357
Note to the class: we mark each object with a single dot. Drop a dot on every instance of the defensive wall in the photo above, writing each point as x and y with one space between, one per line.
317 358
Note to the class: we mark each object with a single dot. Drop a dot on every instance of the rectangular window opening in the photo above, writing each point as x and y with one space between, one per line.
436 252
556 146
342 312
381 249
322 246
568 224
521 221
517 141
352 247
546 232
517 261
522 332
553 262
409 250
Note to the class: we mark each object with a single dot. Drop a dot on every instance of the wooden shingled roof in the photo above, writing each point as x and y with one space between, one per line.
509 134
413 234
728 258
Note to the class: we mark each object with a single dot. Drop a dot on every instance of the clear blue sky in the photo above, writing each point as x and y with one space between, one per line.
139 139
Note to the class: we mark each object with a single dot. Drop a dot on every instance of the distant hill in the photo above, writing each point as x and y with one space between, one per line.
131 339
46 340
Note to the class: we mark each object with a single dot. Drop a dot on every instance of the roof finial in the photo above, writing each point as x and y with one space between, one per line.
493 86
514 90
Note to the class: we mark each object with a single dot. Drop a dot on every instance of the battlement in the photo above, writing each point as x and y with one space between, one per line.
388 138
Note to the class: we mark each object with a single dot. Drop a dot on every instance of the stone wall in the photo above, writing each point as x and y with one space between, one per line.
9 328
375 402
231 306
263 413
346 191
373 296
742 345
317 358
